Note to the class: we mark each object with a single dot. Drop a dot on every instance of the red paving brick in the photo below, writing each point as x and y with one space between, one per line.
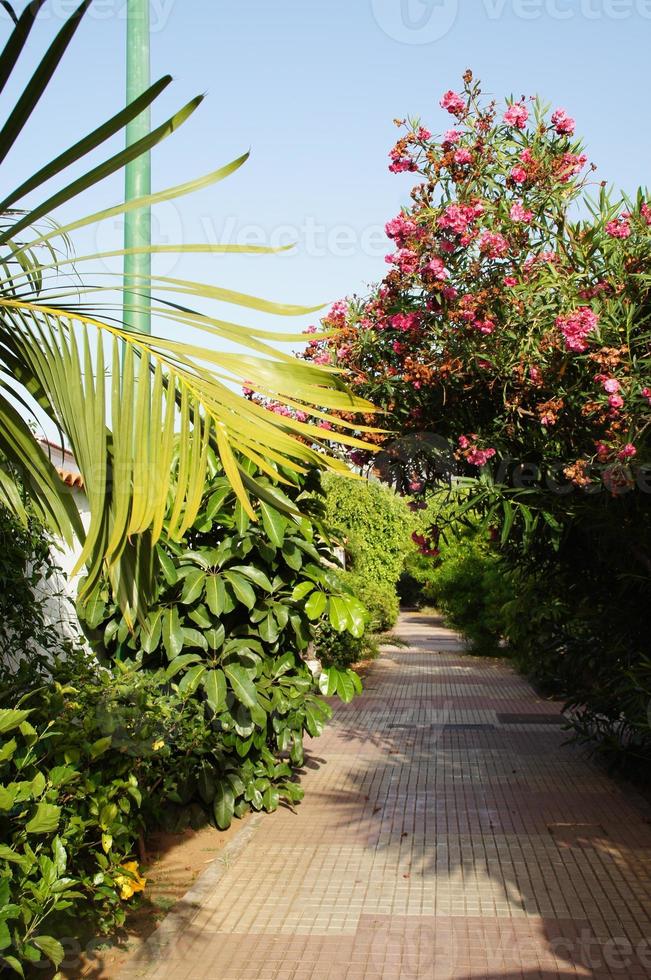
435 841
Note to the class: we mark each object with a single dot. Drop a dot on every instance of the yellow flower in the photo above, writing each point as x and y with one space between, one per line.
131 882
158 745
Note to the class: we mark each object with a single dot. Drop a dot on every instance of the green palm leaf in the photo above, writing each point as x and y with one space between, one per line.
142 414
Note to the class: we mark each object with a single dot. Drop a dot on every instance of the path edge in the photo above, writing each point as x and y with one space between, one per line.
155 947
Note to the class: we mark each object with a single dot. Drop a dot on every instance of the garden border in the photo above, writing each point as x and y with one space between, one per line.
151 950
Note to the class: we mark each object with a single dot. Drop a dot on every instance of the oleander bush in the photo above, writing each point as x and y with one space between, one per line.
511 335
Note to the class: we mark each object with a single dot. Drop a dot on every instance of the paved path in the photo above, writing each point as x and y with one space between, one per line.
446 833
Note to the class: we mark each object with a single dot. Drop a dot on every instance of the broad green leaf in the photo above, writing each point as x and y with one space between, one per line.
11 718
180 663
215 637
242 589
214 684
194 638
101 746
193 586
315 605
255 574
301 590
243 687
51 947
274 524
345 686
338 612
169 568
45 819
215 595
356 616
172 633
223 805
7 750
191 680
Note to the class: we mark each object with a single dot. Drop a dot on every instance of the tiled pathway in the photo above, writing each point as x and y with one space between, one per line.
446 832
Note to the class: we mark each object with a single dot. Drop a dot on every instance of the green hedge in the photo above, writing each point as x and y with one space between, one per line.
375 526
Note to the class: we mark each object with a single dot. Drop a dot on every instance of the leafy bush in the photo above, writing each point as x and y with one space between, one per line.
340 650
375 525
197 713
469 584
231 623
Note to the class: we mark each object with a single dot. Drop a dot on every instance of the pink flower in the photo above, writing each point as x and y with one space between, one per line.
576 326
627 452
400 162
324 424
437 267
463 157
527 156
611 385
452 136
459 217
484 326
405 321
646 393
323 358
517 115
423 134
464 442
645 211
519 174
510 281
401 228
571 164
616 402
479 457
405 260
493 244
398 348
246 391
518 212
563 124
338 313
534 374
454 103
449 293
618 228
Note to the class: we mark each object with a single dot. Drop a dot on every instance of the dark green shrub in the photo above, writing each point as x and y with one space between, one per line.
231 623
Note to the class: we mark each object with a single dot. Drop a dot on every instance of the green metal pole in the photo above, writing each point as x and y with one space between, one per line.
137 226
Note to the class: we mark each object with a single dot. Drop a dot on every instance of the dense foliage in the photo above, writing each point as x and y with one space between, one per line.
468 583
509 345
374 525
198 713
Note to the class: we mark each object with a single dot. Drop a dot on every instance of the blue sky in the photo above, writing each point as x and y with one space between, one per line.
312 86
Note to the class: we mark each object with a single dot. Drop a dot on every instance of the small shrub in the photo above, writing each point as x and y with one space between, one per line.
379 598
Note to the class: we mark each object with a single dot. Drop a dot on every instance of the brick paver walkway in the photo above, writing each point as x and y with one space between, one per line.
446 832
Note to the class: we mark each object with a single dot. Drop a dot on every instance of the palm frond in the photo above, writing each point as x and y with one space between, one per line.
141 413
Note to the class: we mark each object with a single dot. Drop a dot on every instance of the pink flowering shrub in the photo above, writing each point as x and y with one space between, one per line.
510 309
513 323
